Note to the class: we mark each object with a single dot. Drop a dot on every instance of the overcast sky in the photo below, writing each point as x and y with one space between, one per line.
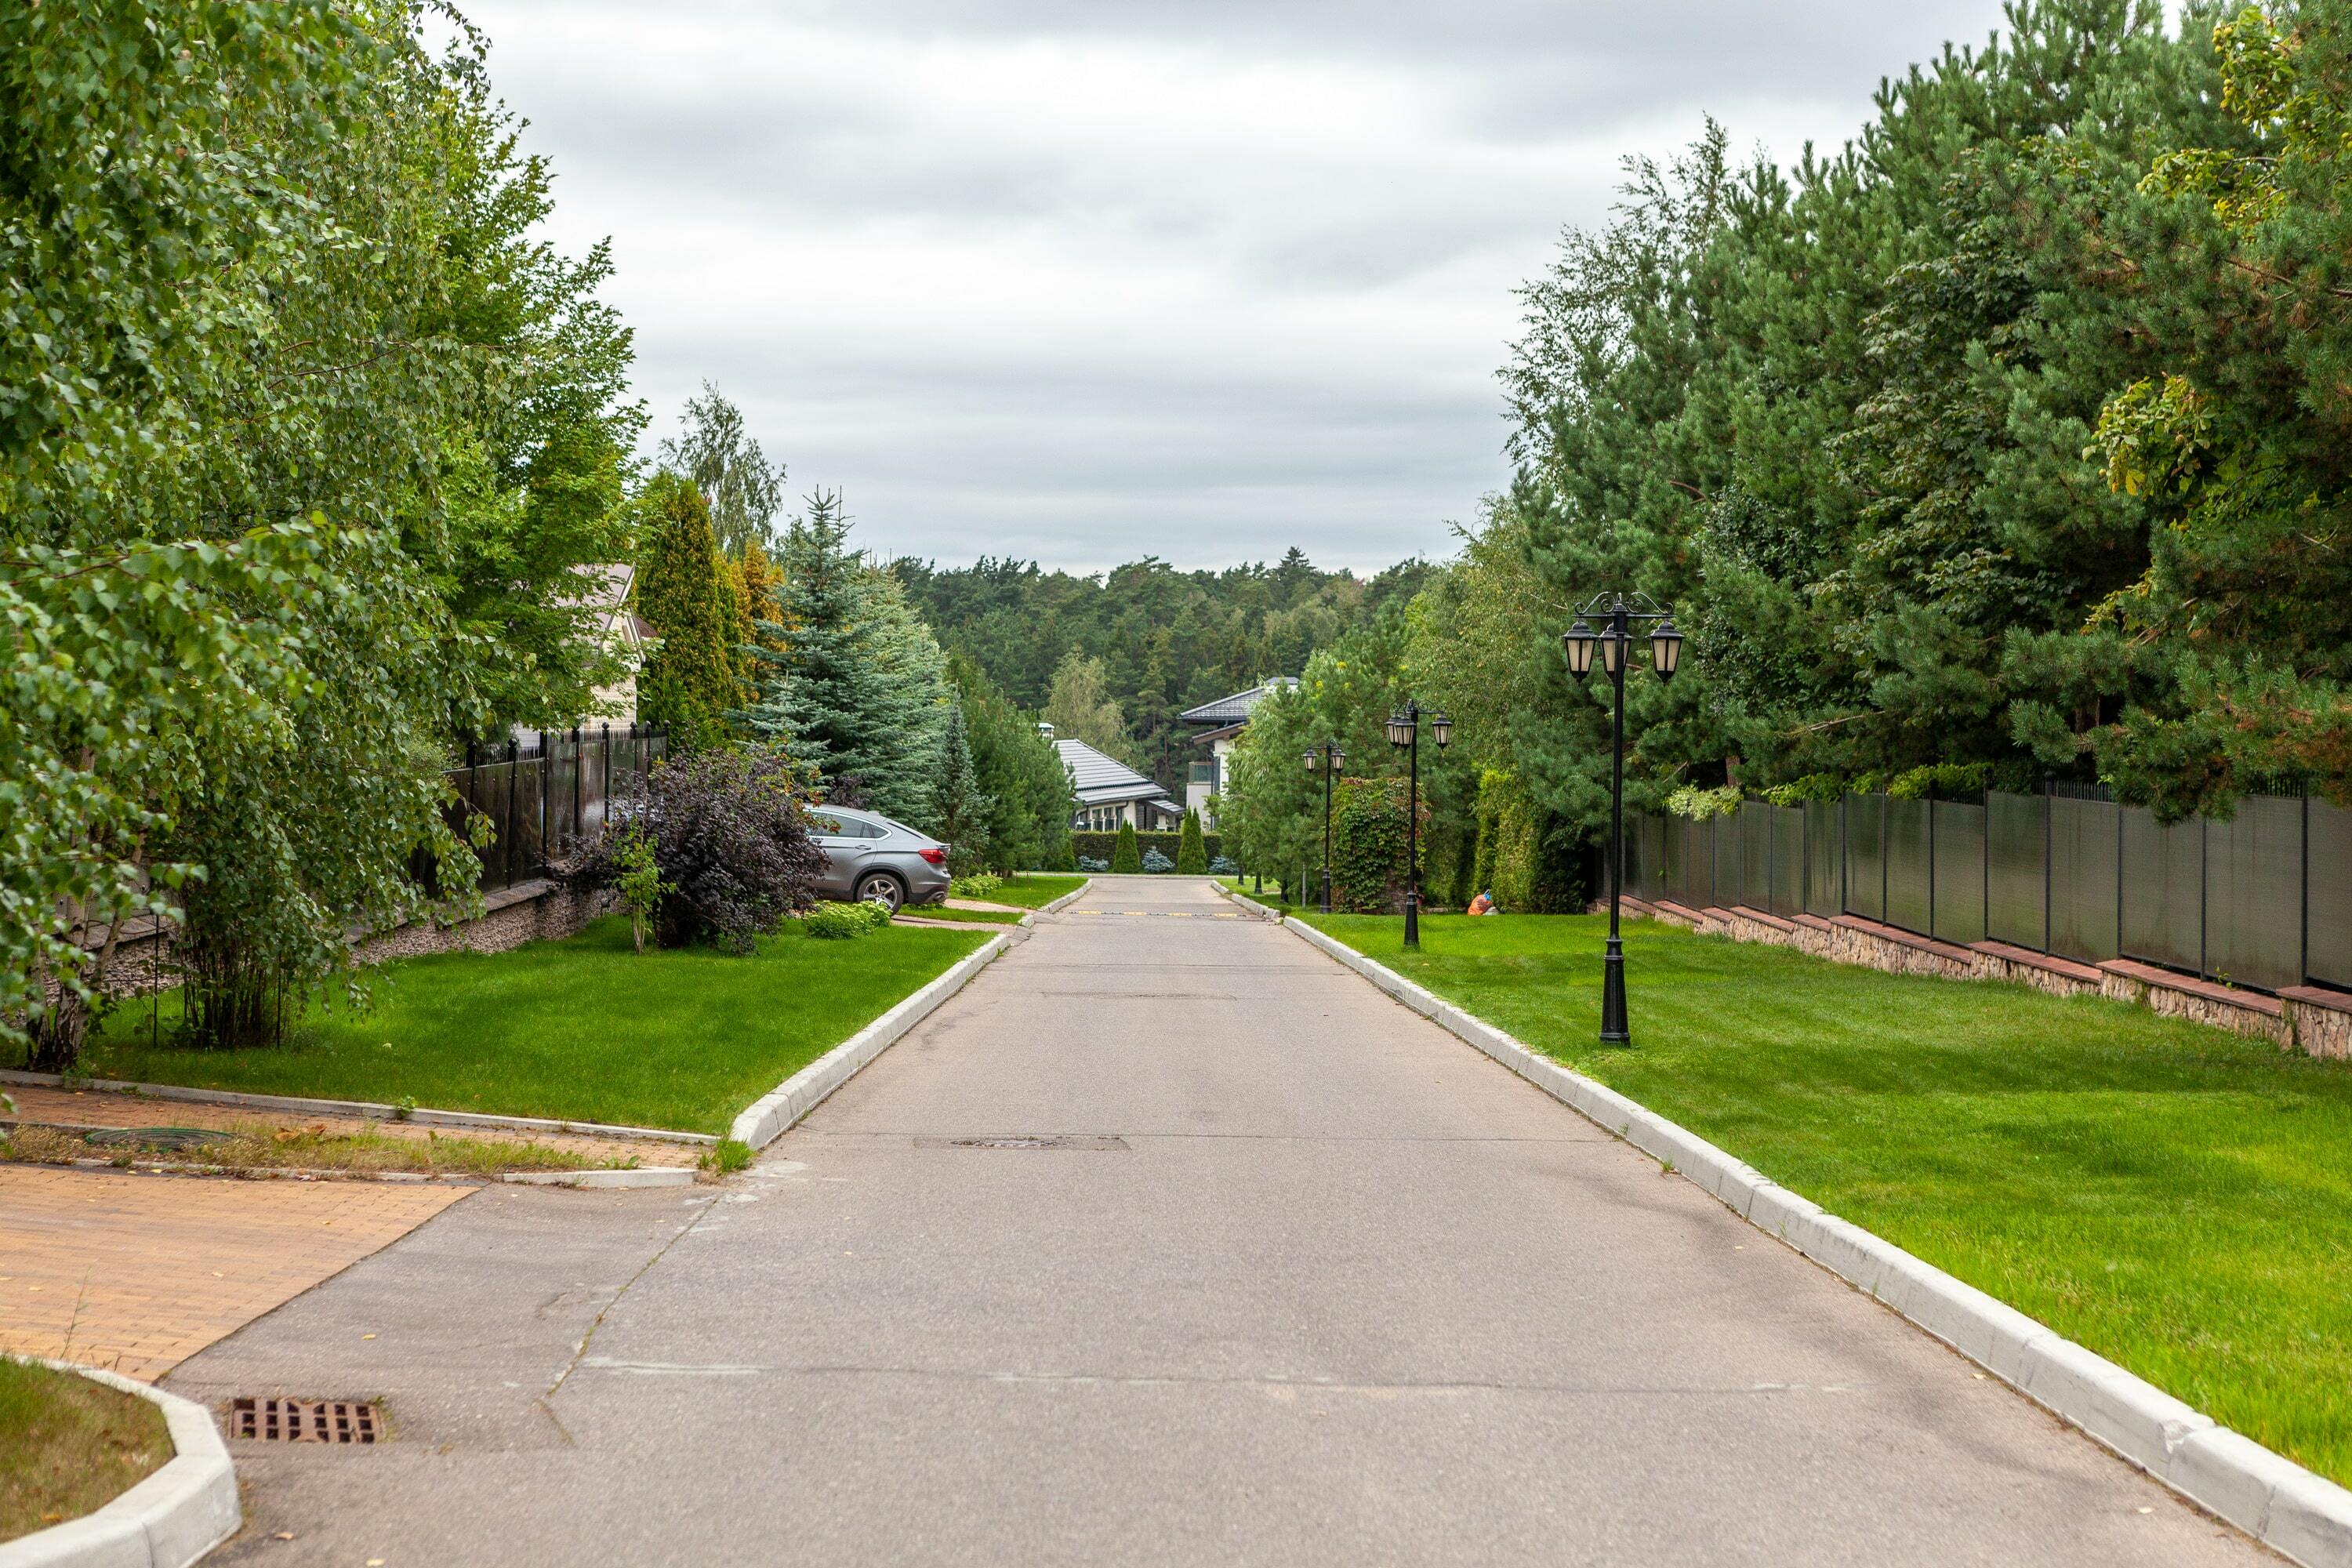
1086 279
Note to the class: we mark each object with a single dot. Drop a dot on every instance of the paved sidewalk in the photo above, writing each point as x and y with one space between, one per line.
1310 1282
136 1273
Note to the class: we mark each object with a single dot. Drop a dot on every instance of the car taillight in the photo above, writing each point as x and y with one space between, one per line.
936 856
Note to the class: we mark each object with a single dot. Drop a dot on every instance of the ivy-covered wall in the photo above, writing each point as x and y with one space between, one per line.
1369 845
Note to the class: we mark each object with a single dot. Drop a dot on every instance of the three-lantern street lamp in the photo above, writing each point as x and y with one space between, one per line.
1404 733
1613 641
1328 759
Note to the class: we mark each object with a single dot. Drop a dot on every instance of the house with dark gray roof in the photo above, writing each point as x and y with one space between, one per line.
1217 725
1110 793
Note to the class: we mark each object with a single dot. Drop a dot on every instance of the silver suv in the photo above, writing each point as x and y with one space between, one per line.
870 857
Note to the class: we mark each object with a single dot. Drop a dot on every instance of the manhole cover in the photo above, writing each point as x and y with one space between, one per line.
304 1420
156 1137
1095 1143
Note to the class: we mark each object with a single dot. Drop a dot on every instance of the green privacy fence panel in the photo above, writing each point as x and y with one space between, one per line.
1910 896
1824 823
2254 921
2263 899
1865 856
2327 893
2017 835
2163 889
2084 841
1957 830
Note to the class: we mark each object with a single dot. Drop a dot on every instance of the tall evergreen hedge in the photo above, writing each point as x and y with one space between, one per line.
1127 856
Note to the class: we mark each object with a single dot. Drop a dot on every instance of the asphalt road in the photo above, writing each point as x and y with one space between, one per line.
1318 1284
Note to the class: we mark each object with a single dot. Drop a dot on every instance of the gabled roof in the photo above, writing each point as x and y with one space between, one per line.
1233 709
1101 780
1221 733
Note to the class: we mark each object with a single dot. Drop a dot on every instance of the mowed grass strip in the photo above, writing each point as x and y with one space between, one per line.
1034 889
69 1445
583 1029
2176 1197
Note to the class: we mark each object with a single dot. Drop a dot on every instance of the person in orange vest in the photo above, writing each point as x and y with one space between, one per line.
1484 904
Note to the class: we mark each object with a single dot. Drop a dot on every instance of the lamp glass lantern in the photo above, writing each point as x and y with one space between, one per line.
1665 650
1579 640
1612 651
1442 729
1399 731
1312 759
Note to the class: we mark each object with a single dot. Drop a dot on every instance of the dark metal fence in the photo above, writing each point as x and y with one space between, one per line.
542 794
2264 900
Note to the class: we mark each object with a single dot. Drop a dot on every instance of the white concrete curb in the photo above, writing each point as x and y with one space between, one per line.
364 1109
167 1520
765 1120
1072 897
2302 1515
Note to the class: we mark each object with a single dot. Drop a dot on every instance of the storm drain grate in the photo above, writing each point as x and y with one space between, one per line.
1094 1143
304 1420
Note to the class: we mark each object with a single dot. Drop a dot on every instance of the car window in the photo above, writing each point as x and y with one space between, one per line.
826 827
909 832
844 827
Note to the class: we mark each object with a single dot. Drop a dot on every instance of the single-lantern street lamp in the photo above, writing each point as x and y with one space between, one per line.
1612 642
1404 733
1327 759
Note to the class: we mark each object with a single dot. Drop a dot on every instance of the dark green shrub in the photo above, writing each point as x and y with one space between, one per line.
1126 857
1103 845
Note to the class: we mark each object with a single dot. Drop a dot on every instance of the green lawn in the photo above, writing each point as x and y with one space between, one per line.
1034 889
2176 1197
584 1029
69 1446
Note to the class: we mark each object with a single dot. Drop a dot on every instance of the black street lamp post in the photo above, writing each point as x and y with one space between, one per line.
1613 641
1404 733
1328 759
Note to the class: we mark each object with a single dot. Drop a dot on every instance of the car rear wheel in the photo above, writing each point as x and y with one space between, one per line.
883 889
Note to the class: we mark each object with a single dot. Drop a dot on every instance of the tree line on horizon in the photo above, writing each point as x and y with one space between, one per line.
2009 442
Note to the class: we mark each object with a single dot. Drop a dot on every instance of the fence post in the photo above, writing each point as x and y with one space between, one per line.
578 784
514 767
1931 860
606 814
546 787
2049 795
1845 874
2204 896
2303 961
1988 863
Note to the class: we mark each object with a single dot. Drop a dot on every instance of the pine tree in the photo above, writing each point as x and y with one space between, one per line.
858 690
1191 852
1028 788
688 684
960 807
1126 857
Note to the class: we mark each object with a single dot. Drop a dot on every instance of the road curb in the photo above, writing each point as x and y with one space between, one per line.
2302 1515
639 1176
363 1109
767 1118
168 1521
1072 897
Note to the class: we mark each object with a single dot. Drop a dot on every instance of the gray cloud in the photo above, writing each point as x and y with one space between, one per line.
1080 279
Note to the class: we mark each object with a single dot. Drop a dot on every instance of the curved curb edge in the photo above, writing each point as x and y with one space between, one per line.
766 1119
1072 897
2302 1515
168 1521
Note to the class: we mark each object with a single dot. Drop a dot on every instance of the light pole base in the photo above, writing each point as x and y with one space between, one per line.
1412 921
1326 890
1613 1030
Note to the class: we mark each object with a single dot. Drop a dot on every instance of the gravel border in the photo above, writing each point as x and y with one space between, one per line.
2302 1515
767 1118
168 1521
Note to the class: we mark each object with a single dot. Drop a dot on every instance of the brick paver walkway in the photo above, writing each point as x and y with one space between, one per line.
138 1273
96 1108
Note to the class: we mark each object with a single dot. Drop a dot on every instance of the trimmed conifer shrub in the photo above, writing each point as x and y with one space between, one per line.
1192 854
1127 857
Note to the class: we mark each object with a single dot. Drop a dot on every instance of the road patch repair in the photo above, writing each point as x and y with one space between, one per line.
2302 1515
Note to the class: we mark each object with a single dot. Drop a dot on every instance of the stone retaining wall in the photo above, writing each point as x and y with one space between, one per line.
2314 1021
538 911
